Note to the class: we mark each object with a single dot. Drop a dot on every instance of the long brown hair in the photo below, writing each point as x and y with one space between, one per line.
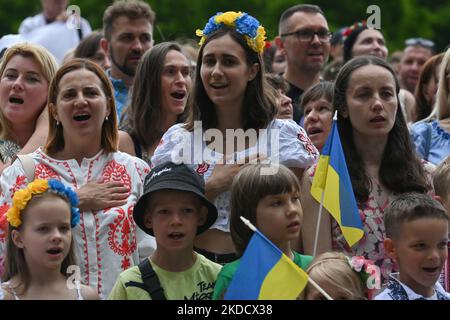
400 169
427 73
145 110
259 101
109 138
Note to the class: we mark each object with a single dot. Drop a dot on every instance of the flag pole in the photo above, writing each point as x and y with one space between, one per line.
316 238
253 228
326 295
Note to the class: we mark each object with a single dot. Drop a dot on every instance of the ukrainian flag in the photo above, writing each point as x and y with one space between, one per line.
332 185
266 273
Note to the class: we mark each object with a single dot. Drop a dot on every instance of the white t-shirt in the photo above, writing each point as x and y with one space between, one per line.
57 37
397 290
283 141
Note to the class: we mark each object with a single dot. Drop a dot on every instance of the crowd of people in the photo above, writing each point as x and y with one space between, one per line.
126 166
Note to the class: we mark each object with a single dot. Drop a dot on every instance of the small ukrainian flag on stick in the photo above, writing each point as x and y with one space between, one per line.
266 273
332 188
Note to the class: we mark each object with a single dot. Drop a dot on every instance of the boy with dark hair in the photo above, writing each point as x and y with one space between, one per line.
173 209
416 237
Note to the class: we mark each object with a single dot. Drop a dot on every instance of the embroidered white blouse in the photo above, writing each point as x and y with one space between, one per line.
283 141
106 242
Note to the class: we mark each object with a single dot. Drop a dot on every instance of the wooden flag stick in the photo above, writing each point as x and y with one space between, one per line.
319 217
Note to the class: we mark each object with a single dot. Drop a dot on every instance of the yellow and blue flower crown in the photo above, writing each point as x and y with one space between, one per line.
23 196
243 23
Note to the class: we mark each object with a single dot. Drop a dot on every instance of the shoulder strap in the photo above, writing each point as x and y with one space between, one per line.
428 141
28 165
151 281
80 33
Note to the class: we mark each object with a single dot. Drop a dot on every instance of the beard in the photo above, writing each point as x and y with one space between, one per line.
123 67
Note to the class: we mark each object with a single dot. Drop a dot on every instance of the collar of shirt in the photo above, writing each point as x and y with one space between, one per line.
411 294
118 84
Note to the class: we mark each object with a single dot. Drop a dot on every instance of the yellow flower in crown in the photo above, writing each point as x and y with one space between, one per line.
13 217
243 23
21 198
227 18
38 186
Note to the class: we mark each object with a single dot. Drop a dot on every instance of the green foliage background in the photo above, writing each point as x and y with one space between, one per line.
400 19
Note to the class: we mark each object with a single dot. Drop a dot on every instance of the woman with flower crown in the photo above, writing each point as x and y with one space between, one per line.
230 93
40 251
82 148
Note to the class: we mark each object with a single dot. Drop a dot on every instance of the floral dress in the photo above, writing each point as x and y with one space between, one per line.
107 241
371 213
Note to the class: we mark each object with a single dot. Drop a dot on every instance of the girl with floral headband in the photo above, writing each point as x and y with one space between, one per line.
39 250
230 92
343 278
81 152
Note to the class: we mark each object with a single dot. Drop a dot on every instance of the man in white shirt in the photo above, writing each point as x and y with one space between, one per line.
55 23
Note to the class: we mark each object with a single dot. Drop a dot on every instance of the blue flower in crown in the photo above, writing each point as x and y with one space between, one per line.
243 23
58 187
247 25
211 26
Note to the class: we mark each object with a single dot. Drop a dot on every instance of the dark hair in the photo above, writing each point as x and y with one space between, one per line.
15 263
109 139
259 102
349 42
322 89
88 47
289 12
269 56
132 9
331 70
145 108
408 207
248 188
400 169
427 73
277 82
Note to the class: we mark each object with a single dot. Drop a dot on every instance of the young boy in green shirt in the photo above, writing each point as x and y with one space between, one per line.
173 209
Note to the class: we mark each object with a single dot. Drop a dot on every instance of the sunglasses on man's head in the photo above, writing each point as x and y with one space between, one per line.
420 42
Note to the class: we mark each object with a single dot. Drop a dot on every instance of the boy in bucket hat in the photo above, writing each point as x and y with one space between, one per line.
173 209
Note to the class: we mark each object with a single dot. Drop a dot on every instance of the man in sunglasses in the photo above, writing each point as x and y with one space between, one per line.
304 38
417 51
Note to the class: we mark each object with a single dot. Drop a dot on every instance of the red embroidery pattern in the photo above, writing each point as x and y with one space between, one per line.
116 172
121 236
307 144
85 250
20 184
43 171
202 168
142 171
99 250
